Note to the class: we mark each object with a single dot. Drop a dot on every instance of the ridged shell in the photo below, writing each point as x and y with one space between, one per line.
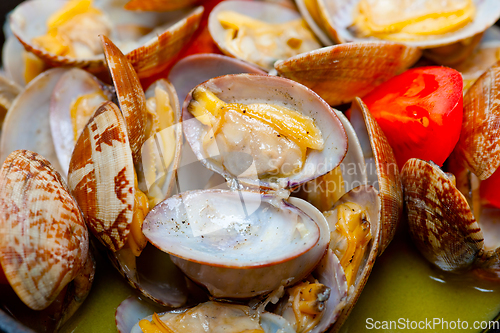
340 73
440 220
43 237
130 95
248 88
479 145
338 18
101 176
383 171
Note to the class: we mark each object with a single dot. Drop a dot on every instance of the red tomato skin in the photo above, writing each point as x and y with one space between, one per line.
420 112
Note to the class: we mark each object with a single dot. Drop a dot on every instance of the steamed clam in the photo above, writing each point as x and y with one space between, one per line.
337 73
112 142
44 247
53 31
457 230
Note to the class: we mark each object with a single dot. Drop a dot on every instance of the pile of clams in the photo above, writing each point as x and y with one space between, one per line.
254 201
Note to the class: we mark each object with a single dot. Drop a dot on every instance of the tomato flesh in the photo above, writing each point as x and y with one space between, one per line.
420 112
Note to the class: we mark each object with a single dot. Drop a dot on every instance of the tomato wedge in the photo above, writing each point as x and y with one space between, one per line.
420 112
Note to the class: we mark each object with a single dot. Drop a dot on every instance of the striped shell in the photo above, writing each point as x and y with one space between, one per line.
43 238
339 73
101 176
440 220
130 95
479 145
383 171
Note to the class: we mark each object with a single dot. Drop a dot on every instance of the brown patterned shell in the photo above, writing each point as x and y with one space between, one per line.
155 56
339 73
388 180
101 176
479 145
440 220
43 237
130 95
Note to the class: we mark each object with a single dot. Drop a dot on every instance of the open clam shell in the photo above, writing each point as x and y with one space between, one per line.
195 69
440 220
101 178
270 13
215 315
245 89
27 123
382 170
478 147
338 16
44 245
368 198
239 244
325 190
130 95
340 73
147 54
73 84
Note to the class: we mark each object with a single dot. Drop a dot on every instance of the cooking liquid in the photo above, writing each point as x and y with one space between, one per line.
404 288
401 285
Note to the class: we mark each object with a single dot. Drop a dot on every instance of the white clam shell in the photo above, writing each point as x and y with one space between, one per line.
27 125
246 88
210 234
339 17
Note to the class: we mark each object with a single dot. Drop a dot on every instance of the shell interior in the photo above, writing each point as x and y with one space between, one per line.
247 88
27 123
222 227
339 15
72 85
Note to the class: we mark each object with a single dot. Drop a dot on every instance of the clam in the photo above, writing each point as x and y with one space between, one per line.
340 73
442 224
27 124
44 245
478 146
149 39
103 179
382 170
367 248
247 89
259 32
256 242
341 20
